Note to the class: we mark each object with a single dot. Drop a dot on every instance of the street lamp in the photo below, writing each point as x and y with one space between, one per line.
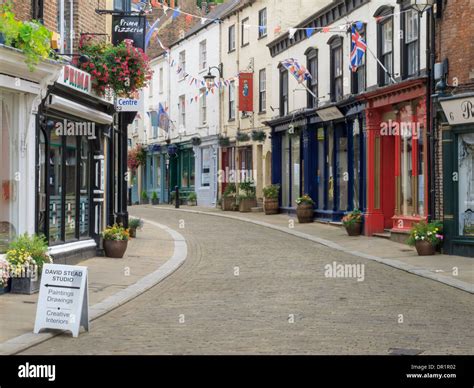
421 5
209 78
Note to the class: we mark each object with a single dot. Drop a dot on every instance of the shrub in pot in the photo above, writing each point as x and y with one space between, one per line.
115 241
304 209
247 198
26 256
144 198
228 198
154 198
352 222
426 237
270 203
133 225
192 199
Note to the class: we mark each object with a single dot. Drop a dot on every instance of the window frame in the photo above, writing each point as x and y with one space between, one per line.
245 32
284 98
203 107
355 77
202 55
405 44
231 38
312 84
262 93
232 103
182 64
387 14
336 44
262 16
182 111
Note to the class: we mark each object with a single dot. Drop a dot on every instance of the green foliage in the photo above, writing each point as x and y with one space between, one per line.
28 250
224 141
422 231
192 196
258 135
230 190
144 195
247 189
352 217
242 136
271 191
115 233
135 223
31 37
154 196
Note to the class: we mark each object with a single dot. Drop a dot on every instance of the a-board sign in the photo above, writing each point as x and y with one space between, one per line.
63 299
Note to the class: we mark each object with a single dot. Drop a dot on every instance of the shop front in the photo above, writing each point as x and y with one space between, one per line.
182 172
457 125
21 91
397 158
206 171
76 165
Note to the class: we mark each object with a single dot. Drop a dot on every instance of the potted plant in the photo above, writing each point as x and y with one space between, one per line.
352 222
247 198
154 198
192 199
425 237
242 136
196 141
133 225
270 203
115 241
4 276
259 135
304 209
26 256
144 198
224 141
228 198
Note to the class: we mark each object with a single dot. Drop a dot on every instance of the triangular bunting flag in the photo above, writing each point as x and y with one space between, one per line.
292 32
176 13
309 32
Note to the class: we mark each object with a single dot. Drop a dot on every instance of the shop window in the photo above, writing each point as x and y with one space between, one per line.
411 47
55 187
356 163
406 175
70 166
295 169
421 173
84 188
206 167
41 188
321 168
342 167
330 167
312 83
285 171
466 184
187 169
8 169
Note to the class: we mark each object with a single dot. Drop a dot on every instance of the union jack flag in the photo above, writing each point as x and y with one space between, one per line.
299 71
358 49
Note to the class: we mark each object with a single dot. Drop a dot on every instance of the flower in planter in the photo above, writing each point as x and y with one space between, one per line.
230 190
242 136
304 200
116 233
224 141
271 191
430 232
258 135
135 223
4 273
352 217
27 253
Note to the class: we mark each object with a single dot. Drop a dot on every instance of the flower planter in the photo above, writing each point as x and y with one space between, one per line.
305 213
271 206
155 201
354 229
115 248
246 205
25 285
227 203
132 232
192 203
425 248
144 201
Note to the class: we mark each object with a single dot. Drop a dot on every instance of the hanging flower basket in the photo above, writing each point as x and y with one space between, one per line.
259 135
123 68
224 141
242 136
196 141
172 149
136 157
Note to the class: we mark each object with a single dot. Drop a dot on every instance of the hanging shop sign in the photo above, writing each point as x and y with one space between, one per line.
329 114
63 299
246 92
129 27
129 104
459 110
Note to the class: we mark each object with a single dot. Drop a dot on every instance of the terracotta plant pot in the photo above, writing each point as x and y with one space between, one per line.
425 248
305 213
271 206
227 203
354 229
246 205
132 232
114 248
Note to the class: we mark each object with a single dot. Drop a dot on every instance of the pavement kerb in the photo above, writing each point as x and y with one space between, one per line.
459 284
28 340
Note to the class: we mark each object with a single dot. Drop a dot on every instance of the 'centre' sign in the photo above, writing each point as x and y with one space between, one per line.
63 299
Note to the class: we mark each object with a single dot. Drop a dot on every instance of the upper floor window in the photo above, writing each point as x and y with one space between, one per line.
122 5
160 80
38 10
65 26
337 84
359 77
182 63
232 38
262 23
202 55
284 107
312 83
203 107
385 44
262 90
232 100
245 32
411 46
182 111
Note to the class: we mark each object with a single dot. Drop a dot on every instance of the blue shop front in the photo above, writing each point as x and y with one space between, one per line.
321 152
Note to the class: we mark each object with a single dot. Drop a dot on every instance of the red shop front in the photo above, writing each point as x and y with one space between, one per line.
397 157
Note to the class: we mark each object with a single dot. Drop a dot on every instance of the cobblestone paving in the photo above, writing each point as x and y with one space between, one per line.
280 302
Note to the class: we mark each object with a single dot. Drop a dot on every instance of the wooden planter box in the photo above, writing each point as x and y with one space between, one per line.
271 206
227 203
305 213
246 205
25 285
